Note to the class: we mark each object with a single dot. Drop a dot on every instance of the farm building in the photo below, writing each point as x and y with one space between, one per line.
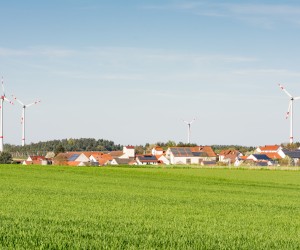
191 155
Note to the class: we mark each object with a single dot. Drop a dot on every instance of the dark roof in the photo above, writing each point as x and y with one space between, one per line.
73 157
293 153
147 158
261 157
262 164
182 152
200 154
121 161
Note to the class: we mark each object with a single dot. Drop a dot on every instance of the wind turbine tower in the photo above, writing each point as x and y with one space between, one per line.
23 117
290 111
3 98
189 128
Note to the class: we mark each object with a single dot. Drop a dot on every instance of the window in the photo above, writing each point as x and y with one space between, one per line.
188 161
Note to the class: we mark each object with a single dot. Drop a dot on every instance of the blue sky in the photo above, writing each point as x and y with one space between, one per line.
130 71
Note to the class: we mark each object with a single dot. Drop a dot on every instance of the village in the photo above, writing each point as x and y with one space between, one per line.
268 155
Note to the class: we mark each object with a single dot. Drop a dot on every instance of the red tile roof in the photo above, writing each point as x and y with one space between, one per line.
130 147
269 148
273 155
115 154
73 163
37 158
102 158
229 152
207 149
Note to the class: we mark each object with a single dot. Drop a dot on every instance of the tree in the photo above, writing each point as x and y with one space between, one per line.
286 161
139 150
59 149
170 144
5 158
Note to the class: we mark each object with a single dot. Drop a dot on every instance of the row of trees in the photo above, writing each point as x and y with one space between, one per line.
91 144
82 144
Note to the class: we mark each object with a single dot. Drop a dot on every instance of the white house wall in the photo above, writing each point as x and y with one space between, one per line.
164 160
183 160
82 158
128 152
114 162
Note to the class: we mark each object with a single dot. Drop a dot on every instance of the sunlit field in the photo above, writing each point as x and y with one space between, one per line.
148 208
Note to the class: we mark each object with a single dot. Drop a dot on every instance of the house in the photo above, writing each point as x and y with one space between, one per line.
294 155
83 157
128 152
260 159
157 151
123 161
115 154
274 151
67 159
147 160
162 159
230 156
191 155
100 159
35 160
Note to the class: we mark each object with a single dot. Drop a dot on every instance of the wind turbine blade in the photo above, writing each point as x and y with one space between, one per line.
192 120
297 98
5 98
185 121
284 90
18 100
36 102
289 109
2 82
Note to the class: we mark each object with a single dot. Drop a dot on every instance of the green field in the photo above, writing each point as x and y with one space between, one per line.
148 208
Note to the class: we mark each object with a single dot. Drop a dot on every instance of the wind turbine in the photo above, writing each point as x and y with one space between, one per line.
23 116
290 111
189 128
3 98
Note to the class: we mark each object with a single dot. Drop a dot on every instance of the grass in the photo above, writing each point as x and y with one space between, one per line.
44 207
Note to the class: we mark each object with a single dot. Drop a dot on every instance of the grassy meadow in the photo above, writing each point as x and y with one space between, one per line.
44 207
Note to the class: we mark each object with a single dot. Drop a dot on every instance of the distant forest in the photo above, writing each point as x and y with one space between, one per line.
91 144
42 148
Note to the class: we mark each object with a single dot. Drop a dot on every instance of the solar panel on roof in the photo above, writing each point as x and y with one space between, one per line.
261 157
73 157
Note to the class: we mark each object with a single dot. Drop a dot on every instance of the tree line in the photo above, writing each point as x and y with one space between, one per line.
91 144
42 148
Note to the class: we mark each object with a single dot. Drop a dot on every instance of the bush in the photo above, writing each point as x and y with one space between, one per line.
5 158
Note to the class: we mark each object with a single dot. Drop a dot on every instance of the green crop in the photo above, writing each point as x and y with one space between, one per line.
51 207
